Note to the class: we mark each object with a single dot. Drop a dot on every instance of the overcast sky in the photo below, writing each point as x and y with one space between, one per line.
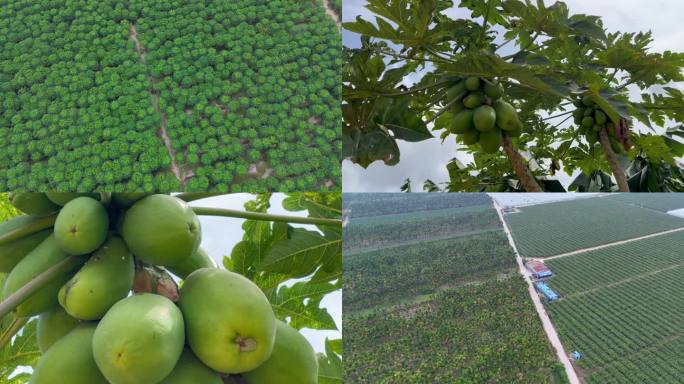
220 234
428 159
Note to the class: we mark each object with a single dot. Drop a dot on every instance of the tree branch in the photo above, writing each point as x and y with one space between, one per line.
526 179
201 211
613 161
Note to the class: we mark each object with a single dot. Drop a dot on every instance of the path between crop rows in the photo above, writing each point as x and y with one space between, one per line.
551 333
333 14
610 244
155 104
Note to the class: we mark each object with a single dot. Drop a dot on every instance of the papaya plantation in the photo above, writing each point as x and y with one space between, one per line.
116 288
531 93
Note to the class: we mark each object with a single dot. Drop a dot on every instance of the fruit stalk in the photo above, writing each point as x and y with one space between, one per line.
192 196
613 161
152 279
23 293
29 229
528 181
12 330
203 211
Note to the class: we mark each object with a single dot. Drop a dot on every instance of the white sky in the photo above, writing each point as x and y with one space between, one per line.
428 159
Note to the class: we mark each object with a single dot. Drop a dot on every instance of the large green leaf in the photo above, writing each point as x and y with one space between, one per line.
330 370
22 351
301 304
302 253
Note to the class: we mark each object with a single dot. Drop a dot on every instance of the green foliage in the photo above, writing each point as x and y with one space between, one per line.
549 229
559 56
21 351
243 88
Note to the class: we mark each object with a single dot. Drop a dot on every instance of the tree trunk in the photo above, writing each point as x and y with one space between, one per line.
613 162
528 181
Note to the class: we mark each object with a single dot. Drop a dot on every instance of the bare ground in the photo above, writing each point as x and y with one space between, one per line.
333 14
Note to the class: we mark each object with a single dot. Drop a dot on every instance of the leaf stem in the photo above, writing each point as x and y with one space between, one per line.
446 108
28 229
202 211
23 293
12 330
192 196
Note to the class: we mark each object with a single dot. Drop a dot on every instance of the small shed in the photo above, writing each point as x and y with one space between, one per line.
539 269
545 290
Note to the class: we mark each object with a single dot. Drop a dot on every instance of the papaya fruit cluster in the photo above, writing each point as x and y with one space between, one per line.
91 330
479 114
591 120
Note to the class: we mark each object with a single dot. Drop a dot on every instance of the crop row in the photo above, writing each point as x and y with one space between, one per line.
377 204
659 201
554 228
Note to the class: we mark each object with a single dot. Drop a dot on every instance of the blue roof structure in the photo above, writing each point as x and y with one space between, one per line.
546 291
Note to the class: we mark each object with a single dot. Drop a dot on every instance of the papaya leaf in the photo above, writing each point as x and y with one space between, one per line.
330 370
22 351
301 304
302 253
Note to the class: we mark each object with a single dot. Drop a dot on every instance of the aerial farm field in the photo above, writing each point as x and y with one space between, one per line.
169 95
549 229
660 202
437 306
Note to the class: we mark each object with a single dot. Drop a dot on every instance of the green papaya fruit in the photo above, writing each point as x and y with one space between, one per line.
61 198
611 129
462 122
455 91
588 101
616 145
293 360
514 133
161 230
70 360
494 90
471 137
44 256
592 137
198 260
11 253
126 199
588 122
578 103
230 324
589 112
600 117
52 326
457 107
490 141
139 340
597 128
106 278
33 203
506 116
484 118
474 100
81 226
472 83
577 115
189 370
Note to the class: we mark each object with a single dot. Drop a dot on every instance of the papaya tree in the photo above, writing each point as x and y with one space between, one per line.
115 287
526 89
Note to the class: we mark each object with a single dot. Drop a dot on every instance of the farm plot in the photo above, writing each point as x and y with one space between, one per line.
549 229
377 204
173 95
659 201
621 308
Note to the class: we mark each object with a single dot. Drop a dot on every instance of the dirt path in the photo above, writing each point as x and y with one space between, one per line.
612 244
546 321
330 11
183 178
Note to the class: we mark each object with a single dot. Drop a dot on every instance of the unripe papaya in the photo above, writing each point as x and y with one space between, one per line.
230 324
81 226
578 103
600 117
617 147
490 141
471 137
462 122
578 115
457 107
597 128
126 199
161 230
293 360
457 90
493 90
105 279
70 360
139 340
474 100
52 326
33 203
44 256
588 101
198 260
506 116
472 83
484 118
12 253
61 198
588 122
189 370
592 137
514 133
611 129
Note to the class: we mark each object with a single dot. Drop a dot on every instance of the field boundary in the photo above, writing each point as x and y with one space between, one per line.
549 329
608 245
